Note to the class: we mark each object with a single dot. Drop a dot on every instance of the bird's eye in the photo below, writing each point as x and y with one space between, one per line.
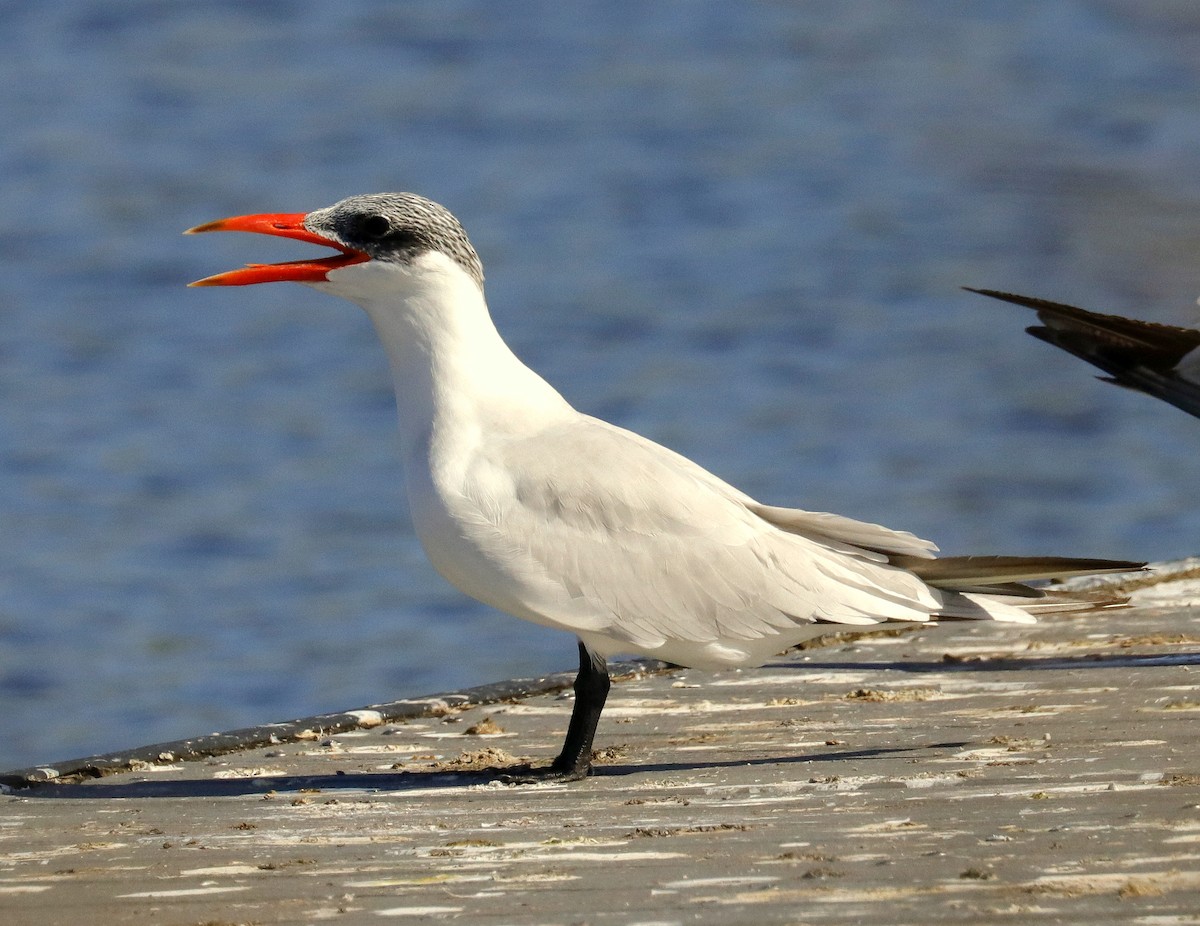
375 226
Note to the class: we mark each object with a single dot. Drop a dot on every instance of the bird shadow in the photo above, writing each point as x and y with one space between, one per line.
1005 663
415 780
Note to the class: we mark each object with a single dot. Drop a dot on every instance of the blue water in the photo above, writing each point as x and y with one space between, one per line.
737 228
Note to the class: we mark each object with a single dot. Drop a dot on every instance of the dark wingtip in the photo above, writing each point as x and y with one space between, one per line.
1028 301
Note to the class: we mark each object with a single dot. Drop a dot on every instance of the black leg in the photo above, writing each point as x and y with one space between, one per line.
591 691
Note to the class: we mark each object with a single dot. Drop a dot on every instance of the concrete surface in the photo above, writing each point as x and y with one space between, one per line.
975 773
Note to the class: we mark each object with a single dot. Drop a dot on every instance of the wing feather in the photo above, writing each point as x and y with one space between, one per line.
862 535
653 549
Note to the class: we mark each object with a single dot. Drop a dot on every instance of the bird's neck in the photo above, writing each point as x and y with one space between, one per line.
456 381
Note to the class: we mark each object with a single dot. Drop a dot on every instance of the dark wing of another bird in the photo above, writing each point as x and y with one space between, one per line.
1136 354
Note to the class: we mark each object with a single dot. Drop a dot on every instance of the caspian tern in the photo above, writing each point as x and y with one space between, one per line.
562 519
1159 360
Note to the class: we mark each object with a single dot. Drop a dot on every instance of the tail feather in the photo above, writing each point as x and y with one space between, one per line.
1007 589
993 587
970 606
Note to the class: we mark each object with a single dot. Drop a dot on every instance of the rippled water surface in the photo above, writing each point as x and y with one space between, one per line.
737 228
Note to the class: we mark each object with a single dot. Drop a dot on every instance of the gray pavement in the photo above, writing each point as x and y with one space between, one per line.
975 773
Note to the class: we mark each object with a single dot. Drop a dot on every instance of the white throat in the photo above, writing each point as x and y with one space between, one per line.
455 378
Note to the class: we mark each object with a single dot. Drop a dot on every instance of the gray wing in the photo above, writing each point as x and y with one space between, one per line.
826 528
618 536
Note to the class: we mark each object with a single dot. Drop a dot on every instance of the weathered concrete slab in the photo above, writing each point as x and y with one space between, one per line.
969 773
